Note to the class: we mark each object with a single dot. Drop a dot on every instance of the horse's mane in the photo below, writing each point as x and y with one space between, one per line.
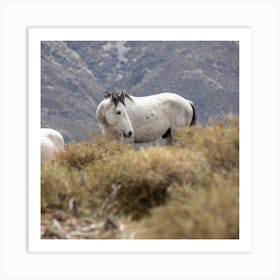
117 97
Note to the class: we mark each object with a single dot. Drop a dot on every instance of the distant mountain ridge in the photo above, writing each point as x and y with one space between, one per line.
74 75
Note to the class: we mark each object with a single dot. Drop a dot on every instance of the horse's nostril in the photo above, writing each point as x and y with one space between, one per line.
128 134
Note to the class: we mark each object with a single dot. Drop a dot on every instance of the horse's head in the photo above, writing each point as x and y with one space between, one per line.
112 115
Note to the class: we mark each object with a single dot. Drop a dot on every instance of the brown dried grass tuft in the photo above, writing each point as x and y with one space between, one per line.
79 155
201 213
190 190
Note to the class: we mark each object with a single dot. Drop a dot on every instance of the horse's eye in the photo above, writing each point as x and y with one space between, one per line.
118 112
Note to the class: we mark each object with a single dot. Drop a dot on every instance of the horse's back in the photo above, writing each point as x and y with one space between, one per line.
165 97
179 109
51 142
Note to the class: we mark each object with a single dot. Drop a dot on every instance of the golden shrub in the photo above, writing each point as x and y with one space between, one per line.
189 190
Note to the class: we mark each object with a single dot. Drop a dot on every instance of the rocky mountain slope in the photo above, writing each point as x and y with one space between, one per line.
75 74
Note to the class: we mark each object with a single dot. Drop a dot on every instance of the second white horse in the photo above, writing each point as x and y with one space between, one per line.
51 142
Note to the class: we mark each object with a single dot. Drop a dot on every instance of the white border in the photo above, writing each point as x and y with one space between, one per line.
262 262
243 35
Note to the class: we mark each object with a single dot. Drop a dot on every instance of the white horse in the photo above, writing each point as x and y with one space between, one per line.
144 119
51 142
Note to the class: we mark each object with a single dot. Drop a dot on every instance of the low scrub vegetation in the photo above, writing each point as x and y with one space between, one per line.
105 189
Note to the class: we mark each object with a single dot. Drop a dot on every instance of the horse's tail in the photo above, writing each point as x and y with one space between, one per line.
193 116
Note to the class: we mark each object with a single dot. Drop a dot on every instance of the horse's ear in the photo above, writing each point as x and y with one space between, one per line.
113 97
122 96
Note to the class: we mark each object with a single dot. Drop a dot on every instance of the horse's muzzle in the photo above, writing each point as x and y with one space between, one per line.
127 133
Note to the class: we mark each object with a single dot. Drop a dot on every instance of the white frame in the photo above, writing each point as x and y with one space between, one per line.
243 35
262 16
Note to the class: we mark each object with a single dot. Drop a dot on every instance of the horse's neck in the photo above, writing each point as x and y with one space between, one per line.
142 102
135 108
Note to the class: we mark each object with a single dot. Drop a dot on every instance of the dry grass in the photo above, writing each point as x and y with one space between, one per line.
218 142
189 190
78 155
203 213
